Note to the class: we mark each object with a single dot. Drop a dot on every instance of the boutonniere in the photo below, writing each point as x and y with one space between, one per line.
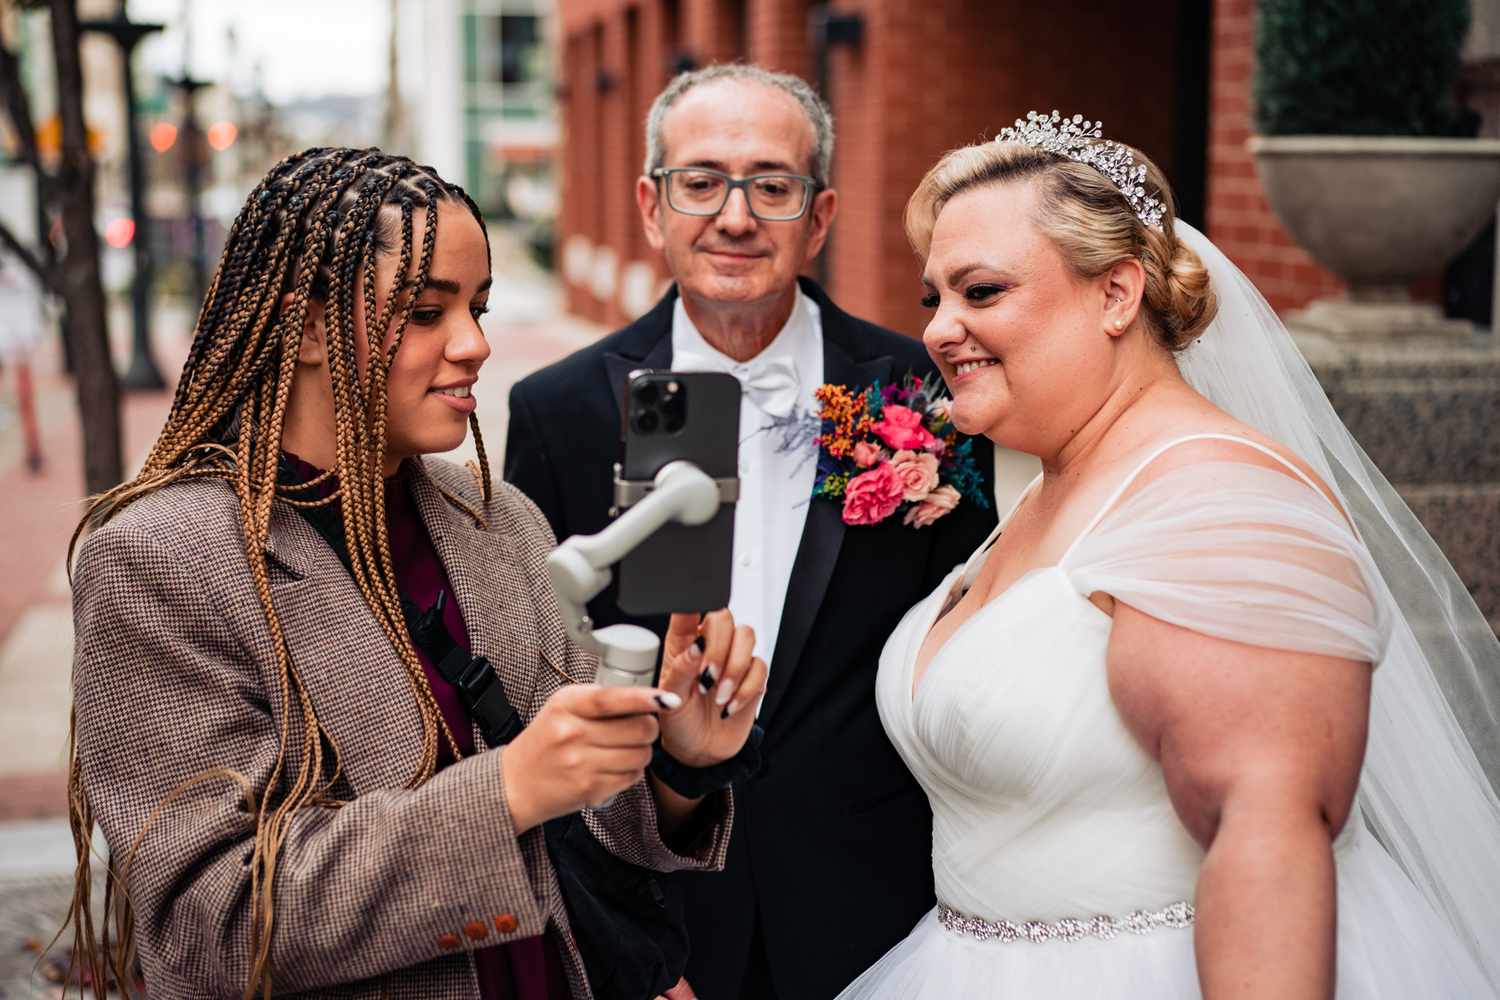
891 449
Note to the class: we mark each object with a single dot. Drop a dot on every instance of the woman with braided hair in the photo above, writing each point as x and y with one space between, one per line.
294 796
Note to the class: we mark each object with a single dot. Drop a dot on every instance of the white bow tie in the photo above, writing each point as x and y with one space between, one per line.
770 383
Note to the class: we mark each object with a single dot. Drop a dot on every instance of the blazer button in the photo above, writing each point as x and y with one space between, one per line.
506 923
475 930
448 941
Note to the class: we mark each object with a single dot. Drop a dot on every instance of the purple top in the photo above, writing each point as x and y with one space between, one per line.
531 968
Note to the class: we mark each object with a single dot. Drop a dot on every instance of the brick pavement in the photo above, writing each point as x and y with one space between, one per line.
526 330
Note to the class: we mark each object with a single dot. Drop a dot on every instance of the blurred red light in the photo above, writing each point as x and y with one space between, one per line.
162 136
119 232
221 135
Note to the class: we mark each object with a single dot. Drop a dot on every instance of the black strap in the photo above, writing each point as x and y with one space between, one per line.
473 677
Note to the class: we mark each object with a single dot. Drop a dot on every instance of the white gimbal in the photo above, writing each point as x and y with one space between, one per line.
579 567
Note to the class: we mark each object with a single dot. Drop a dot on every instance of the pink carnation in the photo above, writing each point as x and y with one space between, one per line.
866 454
901 427
939 502
918 473
872 496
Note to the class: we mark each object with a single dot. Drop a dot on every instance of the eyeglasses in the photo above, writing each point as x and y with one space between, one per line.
771 197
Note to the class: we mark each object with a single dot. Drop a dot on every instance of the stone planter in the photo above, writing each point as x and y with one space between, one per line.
1379 212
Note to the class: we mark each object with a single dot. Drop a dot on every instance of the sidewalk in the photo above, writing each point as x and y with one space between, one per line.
526 330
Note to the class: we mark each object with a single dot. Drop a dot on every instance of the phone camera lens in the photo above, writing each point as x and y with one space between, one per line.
674 414
647 421
646 394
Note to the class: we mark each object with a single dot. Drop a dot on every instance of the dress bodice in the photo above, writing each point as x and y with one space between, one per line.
1044 804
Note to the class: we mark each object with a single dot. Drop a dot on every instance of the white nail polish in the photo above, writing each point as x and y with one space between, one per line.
726 691
668 700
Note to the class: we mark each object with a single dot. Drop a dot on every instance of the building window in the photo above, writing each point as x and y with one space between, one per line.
520 48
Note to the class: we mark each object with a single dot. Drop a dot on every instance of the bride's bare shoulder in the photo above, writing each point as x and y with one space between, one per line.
1213 436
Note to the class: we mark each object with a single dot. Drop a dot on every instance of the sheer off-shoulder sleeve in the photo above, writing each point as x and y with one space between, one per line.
1238 551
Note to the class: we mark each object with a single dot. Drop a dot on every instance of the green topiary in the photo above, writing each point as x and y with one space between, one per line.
1359 67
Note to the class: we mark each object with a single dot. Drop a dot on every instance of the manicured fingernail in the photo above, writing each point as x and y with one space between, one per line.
724 714
734 706
726 691
694 653
668 700
700 643
706 679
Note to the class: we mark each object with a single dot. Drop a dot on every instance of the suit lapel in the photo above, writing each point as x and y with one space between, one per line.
620 366
823 532
647 344
493 597
317 599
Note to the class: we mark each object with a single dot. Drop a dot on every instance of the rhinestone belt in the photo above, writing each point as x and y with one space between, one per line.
1177 915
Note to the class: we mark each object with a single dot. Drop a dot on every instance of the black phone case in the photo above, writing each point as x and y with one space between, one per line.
682 567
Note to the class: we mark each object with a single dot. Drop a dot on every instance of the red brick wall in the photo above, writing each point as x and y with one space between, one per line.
943 73
928 75
1240 221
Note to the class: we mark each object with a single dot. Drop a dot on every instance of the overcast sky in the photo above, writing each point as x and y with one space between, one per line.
307 48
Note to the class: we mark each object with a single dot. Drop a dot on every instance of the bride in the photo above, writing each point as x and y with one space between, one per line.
1180 719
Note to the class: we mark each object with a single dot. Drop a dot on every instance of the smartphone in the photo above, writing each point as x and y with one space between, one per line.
671 416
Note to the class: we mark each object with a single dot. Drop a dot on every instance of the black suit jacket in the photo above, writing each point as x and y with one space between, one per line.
830 859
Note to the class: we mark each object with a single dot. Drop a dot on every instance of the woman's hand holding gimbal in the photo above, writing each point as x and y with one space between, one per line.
585 745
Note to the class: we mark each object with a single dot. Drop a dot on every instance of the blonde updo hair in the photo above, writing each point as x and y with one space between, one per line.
1088 220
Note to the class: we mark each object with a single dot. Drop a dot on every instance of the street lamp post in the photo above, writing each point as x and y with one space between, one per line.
193 156
142 373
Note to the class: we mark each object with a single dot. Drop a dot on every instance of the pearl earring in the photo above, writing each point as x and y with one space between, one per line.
1119 324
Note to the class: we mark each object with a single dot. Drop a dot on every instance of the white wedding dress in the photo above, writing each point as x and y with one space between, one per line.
1062 871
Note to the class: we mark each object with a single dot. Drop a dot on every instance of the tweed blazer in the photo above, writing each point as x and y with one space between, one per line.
175 676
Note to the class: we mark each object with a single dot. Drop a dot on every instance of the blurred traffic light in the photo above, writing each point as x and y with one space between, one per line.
163 136
221 135
119 232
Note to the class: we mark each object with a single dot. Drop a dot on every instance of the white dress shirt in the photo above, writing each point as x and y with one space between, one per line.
775 485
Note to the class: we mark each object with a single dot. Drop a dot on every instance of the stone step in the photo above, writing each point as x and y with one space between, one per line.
1464 519
1433 430
1426 410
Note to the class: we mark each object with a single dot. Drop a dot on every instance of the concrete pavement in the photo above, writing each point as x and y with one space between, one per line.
526 329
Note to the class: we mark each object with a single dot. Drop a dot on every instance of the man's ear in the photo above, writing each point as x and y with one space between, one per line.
824 207
313 351
648 200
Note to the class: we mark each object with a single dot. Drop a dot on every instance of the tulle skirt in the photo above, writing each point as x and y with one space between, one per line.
1391 946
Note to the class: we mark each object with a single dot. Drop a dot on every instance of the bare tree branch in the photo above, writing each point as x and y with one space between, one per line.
46 275
19 108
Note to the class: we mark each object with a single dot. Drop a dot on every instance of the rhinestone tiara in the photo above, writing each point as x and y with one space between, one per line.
1079 139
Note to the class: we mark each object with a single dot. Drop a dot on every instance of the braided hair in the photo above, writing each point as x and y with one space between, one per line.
312 230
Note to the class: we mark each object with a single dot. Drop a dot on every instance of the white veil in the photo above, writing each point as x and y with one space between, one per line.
1432 767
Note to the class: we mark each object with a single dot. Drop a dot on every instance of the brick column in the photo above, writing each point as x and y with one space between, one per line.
612 162
713 30
1240 220
916 87
776 36
574 235
654 46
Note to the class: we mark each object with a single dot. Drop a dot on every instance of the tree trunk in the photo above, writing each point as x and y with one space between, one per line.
87 324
